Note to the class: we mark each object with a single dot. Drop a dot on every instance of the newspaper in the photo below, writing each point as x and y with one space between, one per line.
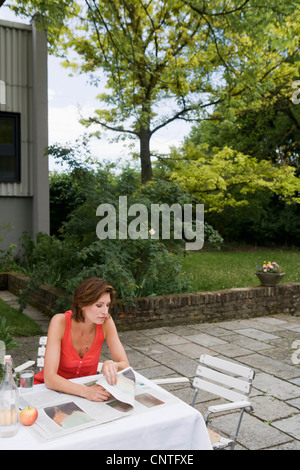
60 414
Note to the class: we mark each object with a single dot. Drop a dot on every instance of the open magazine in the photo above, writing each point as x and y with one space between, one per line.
60 414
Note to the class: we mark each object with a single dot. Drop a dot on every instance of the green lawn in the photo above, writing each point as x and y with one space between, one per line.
224 270
18 323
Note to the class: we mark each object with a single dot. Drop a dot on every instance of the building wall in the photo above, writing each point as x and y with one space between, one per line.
16 73
23 75
16 214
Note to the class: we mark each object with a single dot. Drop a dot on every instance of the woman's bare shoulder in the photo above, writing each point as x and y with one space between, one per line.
58 319
109 327
57 323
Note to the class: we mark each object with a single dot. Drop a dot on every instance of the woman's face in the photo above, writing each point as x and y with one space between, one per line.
98 312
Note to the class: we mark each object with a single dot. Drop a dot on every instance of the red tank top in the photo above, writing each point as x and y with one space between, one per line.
71 364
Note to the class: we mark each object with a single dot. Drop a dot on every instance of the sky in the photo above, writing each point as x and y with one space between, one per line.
67 95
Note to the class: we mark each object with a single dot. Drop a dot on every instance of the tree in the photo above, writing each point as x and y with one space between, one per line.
224 178
165 60
270 133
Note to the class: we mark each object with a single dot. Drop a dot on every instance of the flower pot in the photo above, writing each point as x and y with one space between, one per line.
269 279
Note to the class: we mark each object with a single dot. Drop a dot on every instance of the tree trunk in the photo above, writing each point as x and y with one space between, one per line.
146 168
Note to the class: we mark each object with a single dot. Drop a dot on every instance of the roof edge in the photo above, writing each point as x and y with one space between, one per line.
15 25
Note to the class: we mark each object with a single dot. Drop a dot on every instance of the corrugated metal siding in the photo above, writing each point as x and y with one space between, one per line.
16 72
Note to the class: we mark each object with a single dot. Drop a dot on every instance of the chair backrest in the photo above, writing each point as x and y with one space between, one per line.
41 352
223 378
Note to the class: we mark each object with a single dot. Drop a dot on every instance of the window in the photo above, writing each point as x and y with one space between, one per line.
10 138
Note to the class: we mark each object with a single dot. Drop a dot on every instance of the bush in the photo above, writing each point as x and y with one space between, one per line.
134 267
6 335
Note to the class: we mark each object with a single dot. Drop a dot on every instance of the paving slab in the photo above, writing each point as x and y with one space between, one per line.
192 350
269 409
153 349
280 354
205 340
270 321
231 350
256 334
281 389
290 426
247 342
295 403
292 445
170 338
211 329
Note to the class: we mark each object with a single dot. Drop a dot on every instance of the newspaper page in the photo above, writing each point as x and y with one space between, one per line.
60 414
124 390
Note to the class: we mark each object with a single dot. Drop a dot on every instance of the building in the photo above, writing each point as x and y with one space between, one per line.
24 175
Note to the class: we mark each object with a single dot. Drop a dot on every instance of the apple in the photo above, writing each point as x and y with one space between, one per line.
28 415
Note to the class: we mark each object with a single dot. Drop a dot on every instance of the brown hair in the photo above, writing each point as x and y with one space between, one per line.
87 293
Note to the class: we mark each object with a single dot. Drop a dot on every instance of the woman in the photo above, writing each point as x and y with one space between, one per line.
75 340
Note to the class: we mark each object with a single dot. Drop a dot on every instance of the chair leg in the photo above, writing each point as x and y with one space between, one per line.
237 430
194 397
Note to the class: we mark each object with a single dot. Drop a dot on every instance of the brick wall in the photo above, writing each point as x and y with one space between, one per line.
176 309
44 298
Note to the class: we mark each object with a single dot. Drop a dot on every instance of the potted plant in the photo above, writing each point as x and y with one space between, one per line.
270 273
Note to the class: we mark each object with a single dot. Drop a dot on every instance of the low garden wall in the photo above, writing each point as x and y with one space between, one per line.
178 309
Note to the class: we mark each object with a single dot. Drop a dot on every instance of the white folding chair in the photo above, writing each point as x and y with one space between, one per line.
227 380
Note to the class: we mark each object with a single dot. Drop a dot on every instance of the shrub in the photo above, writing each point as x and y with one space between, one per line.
134 267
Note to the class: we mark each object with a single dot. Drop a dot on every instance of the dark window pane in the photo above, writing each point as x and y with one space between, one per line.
7 167
6 130
9 147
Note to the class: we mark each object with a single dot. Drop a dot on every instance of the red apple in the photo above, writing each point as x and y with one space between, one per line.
28 415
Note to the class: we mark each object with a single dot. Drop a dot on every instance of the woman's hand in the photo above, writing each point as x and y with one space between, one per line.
109 370
96 393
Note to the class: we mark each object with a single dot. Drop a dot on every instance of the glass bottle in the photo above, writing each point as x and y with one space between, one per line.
9 402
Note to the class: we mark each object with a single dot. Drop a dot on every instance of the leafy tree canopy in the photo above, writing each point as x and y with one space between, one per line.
222 178
165 60
272 133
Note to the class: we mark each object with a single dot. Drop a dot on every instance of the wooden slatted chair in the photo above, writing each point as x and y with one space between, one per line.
227 380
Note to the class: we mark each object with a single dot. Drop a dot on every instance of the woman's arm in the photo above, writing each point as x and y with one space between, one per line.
119 358
52 359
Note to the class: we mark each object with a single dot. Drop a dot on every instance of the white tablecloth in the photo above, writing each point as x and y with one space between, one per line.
174 427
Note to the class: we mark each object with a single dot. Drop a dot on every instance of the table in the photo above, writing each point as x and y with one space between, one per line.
174 427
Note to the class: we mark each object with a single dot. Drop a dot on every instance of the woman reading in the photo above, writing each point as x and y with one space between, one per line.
75 340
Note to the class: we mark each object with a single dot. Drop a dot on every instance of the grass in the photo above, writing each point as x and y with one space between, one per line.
225 270
18 323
